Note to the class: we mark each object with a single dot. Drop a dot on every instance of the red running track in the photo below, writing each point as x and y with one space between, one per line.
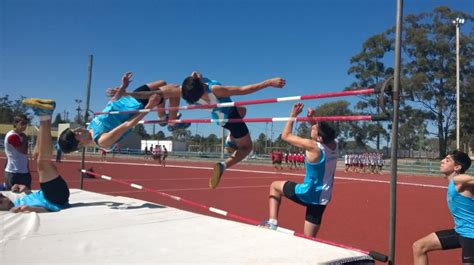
357 216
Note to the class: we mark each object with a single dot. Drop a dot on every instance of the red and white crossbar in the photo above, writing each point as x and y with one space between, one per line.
375 255
252 102
280 119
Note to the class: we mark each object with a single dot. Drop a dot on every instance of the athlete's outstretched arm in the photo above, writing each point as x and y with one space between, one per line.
227 91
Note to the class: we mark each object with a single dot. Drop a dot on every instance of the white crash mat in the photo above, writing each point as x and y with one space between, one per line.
102 229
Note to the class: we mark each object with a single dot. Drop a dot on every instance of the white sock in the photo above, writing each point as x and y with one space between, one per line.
273 221
44 117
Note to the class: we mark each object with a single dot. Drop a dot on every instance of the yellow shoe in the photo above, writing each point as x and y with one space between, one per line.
41 107
40 103
216 176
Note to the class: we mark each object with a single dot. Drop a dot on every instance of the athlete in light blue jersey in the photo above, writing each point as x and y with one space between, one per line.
316 190
107 130
460 197
199 90
54 193
318 182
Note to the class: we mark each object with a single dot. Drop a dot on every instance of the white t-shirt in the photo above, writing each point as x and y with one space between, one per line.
16 149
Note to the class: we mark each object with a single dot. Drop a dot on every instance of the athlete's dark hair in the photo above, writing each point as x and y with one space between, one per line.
192 89
461 159
326 131
67 141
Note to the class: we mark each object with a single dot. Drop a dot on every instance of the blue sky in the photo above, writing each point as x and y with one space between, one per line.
44 46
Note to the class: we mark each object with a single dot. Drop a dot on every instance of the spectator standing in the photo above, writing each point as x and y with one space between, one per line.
16 151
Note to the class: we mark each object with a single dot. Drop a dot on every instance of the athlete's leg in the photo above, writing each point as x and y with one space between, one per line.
422 246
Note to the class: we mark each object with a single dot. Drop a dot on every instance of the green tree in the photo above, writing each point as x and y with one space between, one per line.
467 112
430 69
412 132
370 71
57 120
9 108
140 130
279 143
259 144
336 108
210 142
160 135
181 134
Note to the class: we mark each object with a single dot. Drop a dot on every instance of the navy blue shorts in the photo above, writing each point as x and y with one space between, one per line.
449 239
237 129
314 212
56 190
144 101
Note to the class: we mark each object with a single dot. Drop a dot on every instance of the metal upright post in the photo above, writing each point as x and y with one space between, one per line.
458 22
222 143
394 146
86 113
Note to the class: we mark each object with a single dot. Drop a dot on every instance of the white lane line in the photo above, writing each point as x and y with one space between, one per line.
269 172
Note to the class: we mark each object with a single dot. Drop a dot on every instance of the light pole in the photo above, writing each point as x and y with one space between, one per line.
458 22
79 101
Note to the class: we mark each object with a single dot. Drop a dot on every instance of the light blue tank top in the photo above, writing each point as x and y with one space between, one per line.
37 199
310 190
105 123
220 112
319 180
462 211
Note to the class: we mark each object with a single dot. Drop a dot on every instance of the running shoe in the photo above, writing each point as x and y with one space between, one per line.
178 126
163 124
266 224
40 106
216 175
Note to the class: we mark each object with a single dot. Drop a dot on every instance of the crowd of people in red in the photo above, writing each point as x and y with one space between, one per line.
290 160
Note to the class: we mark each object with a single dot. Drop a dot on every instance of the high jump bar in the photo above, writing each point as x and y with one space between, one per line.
252 102
378 117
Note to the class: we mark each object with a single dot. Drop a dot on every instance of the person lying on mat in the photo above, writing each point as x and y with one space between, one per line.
460 197
314 193
197 89
108 129
54 193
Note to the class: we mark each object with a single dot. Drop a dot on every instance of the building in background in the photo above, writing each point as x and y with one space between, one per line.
172 146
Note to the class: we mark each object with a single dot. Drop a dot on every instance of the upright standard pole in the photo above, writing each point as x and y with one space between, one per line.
458 22
394 146
222 143
86 113
457 87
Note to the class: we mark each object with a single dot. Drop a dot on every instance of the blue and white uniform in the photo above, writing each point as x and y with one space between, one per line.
220 112
318 182
462 211
107 122
37 199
